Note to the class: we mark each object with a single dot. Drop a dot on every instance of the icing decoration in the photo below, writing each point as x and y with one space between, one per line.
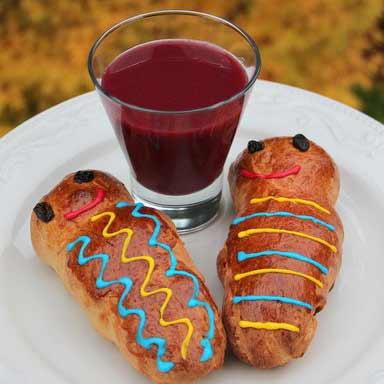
255 146
253 231
126 282
44 212
84 176
280 199
172 271
151 266
300 142
100 194
271 326
281 299
241 256
315 220
274 175
240 276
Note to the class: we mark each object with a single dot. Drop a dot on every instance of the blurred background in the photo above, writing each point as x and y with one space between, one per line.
333 47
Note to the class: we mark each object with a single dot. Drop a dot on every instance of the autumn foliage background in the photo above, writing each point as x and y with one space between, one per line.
334 47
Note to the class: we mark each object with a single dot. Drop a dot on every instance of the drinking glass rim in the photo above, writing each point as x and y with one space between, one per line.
141 16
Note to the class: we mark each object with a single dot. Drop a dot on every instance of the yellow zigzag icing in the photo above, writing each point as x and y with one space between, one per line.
151 266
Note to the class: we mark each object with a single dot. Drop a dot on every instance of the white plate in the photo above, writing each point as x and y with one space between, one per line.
45 337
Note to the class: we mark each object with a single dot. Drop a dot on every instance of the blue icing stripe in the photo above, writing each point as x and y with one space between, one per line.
281 299
172 271
163 366
315 220
242 256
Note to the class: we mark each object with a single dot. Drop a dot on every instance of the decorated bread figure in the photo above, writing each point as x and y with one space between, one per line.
127 267
283 251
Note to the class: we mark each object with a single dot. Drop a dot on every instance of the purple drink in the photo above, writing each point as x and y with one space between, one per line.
175 153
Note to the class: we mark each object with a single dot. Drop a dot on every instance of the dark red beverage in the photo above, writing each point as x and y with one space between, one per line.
174 152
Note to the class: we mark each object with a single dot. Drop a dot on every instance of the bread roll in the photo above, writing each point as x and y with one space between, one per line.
128 268
283 251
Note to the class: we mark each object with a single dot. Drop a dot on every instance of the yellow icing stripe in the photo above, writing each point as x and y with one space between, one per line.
151 266
291 200
240 276
271 326
168 292
253 231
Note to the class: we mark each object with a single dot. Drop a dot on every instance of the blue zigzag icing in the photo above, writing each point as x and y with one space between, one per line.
172 271
126 282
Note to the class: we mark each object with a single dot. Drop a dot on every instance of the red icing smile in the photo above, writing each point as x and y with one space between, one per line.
100 194
274 175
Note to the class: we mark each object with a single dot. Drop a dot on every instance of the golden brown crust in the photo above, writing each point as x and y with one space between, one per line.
318 181
318 176
50 241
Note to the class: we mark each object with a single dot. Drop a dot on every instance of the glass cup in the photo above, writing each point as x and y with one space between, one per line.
176 158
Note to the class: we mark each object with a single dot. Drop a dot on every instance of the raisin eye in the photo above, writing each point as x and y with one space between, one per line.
44 212
255 146
84 176
301 142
